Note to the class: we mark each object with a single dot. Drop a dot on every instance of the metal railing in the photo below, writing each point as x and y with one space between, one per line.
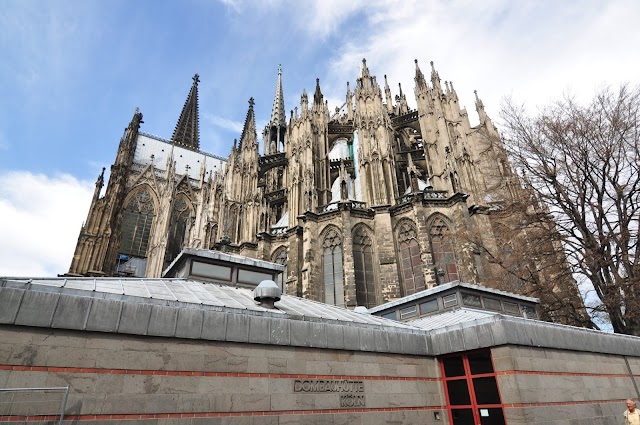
24 404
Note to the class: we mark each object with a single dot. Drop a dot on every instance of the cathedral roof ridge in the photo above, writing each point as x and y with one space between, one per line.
162 139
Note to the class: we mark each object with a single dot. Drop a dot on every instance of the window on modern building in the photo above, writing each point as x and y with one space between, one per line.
511 308
390 316
137 220
430 306
408 312
364 268
280 257
472 389
410 260
529 312
492 304
178 226
444 259
449 300
332 269
471 300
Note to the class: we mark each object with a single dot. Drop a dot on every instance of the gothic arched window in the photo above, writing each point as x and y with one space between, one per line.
178 225
332 269
137 219
444 259
280 257
410 260
363 267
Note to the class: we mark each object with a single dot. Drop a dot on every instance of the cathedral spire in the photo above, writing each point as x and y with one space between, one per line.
419 78
480 109
249 128
435 78
187 133
387 93
278 118
317 95
99 185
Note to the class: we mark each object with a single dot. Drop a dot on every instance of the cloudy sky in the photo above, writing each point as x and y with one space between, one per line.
72 73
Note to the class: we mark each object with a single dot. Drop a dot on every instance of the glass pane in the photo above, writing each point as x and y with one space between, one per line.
462 417
529 312
390 316
492 304
471 300
453 366
449 300
408 312
486 390
492 416
429 307
458 392
511 308
480 362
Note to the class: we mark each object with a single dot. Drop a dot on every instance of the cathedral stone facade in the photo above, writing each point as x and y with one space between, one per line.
362 204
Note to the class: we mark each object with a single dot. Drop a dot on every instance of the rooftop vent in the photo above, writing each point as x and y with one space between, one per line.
267 293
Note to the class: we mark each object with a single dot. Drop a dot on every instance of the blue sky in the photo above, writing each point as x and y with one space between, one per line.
72 73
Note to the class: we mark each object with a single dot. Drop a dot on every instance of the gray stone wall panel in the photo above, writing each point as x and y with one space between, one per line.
104 315
71 312
189 324
134 318
9 304
37 309
163 321
237 328
214 326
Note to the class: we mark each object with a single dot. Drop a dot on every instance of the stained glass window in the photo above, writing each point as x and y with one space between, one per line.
332 269
364 269
444 258
137 219
410 261
178 225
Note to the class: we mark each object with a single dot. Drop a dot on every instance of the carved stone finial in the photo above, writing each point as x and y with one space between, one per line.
251 102
196 79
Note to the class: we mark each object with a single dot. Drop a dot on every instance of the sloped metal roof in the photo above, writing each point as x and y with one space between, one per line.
440 288
198 293
454 317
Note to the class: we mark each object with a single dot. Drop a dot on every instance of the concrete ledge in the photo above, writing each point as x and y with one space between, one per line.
501 330
71 312
27 307
37 308
104 315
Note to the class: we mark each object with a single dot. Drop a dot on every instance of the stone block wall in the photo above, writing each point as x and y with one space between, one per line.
562 387
145 380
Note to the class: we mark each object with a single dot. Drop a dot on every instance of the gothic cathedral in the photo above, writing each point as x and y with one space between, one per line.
361 203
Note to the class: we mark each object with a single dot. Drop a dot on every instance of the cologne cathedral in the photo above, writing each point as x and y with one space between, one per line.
361 203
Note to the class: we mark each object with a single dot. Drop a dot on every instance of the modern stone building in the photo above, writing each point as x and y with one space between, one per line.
360 203
193 350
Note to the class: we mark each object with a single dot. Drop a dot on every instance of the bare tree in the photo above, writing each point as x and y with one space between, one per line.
582 168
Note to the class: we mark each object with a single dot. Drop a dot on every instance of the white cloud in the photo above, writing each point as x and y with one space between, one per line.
533 50
41 218
225 123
